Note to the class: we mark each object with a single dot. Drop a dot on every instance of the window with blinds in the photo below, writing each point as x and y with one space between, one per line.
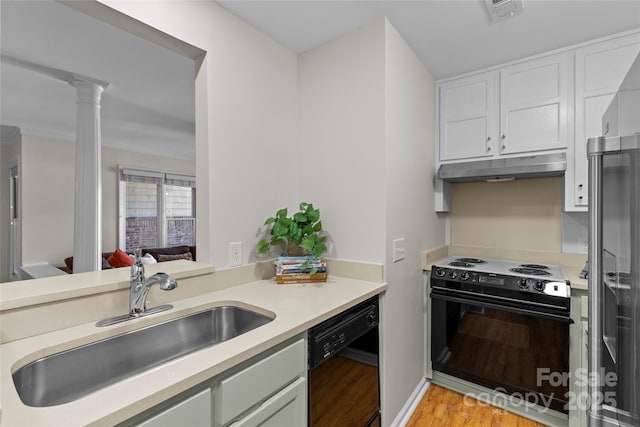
157 209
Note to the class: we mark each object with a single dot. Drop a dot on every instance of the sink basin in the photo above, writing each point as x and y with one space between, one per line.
69 375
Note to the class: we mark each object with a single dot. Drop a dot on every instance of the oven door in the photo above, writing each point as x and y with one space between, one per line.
509 347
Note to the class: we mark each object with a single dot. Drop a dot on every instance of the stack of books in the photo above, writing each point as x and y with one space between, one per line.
297 269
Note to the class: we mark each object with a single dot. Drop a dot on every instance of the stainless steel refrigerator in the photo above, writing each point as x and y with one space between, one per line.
614 261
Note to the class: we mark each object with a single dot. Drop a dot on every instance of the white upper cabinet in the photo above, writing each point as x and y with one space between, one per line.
534 105
517 109
599 70
468 117
551 103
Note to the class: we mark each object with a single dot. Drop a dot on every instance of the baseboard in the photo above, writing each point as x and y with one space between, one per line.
412 403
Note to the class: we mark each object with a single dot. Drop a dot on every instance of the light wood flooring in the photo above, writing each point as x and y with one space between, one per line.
441 407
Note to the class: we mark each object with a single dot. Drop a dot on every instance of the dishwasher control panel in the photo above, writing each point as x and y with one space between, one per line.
335 334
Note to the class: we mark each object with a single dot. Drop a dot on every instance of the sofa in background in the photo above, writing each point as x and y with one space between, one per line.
160 255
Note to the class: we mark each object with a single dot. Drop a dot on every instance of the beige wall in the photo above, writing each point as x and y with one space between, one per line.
47 200
522 214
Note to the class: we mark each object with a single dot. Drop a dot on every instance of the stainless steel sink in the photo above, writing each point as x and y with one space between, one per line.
72 374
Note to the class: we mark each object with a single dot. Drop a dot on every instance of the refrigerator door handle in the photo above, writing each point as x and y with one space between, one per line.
596 148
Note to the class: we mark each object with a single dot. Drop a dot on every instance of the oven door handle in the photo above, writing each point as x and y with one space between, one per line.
481 303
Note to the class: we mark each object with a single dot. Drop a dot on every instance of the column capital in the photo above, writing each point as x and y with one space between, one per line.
87 90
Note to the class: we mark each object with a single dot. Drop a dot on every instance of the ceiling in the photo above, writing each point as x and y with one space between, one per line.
451 37
148 105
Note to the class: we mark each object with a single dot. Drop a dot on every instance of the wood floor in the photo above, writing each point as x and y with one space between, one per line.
441 407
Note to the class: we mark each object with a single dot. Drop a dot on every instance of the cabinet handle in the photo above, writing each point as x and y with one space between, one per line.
504 147
580 186
580 197
504 136
488 138
488 149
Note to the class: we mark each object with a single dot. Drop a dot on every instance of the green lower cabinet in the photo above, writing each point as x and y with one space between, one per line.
288 408
259 391
194 411
578 362
269 390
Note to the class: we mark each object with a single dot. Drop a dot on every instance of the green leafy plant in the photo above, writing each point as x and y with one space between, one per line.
301 228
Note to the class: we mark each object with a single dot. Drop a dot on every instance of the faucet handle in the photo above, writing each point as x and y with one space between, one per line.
137 268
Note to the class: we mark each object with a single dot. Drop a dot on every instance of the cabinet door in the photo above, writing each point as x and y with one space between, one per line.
286 408
194 412
600 68
534 105
467 117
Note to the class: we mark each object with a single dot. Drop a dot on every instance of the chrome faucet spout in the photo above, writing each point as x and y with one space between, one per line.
139 286
139 290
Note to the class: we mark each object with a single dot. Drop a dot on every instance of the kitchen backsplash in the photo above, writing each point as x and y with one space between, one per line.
521 214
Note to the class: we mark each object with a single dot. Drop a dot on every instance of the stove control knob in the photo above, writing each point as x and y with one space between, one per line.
540 286
464 275
439 272
453 274
522 283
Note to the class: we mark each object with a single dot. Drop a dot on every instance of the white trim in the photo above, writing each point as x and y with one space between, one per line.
412 403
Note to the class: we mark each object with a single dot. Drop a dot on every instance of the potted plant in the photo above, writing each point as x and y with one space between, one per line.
300 231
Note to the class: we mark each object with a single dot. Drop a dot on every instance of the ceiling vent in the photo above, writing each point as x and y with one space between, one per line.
500 10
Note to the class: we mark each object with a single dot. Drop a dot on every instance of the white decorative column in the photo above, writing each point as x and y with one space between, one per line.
87 238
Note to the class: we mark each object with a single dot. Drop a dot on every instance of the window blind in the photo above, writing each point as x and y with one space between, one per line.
156 177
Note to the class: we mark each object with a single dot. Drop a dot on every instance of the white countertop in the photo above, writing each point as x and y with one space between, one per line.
297 307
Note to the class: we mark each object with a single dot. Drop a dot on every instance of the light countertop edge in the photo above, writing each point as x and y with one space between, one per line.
68 286
297 307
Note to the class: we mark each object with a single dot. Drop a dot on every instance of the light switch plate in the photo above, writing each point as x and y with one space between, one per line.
398 250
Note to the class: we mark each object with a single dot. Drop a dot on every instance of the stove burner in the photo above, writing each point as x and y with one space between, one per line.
535 266
461 264
530 271
471 260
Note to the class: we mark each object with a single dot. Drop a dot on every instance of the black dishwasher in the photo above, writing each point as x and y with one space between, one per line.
344 383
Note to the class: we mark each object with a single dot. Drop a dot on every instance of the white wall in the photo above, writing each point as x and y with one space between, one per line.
341 142
245 125
410 214
367 109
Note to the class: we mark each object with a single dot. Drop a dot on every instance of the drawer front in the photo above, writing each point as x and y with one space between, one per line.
194 411
249 387
287 408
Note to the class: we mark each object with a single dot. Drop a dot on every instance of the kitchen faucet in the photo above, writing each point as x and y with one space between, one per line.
139 287
139 290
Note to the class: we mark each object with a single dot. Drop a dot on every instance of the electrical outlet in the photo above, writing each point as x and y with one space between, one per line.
585 246
235 253
398 250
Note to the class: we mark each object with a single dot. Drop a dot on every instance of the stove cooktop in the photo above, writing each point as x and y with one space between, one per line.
488 276
548 272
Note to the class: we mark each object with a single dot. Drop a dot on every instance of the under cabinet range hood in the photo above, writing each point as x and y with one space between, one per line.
505 169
